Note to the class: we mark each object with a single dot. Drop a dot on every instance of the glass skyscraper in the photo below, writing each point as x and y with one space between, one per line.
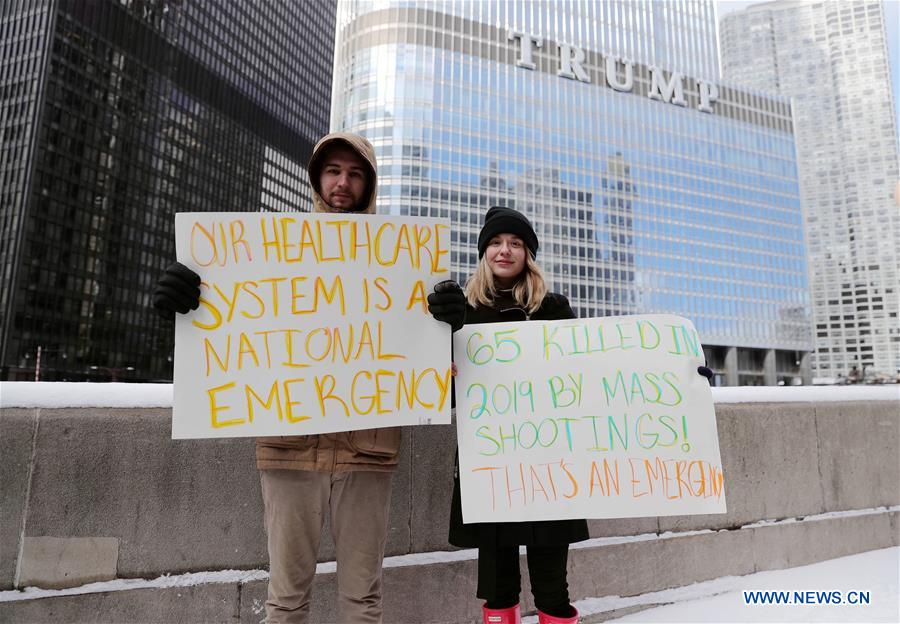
831 58
116 114
653 186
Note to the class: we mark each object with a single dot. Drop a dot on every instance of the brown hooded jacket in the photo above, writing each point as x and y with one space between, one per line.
367 449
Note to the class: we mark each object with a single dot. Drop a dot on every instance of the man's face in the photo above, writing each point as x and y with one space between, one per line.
343 179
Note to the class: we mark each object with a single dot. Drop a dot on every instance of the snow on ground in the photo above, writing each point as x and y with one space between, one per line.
721 600
70 394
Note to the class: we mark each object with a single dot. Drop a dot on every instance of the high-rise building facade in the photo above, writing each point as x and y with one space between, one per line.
653 187
116 114
831 58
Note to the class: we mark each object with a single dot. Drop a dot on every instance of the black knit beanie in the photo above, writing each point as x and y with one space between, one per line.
500 220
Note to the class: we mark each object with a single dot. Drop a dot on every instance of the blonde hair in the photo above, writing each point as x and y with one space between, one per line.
529 290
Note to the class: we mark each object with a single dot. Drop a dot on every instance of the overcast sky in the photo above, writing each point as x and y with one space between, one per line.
892 21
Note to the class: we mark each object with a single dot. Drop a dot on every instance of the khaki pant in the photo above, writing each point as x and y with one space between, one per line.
296 502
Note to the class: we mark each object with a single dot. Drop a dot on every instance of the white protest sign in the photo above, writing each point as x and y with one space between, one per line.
310 323
585 418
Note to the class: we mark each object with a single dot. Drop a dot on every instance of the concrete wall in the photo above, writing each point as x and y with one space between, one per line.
89 494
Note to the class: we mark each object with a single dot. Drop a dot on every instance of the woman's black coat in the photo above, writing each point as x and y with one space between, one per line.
499 534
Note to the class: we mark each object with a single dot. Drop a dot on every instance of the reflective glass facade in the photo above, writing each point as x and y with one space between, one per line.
832 59
641 205
115 115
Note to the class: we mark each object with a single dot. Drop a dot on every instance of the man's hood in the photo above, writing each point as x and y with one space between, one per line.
362 147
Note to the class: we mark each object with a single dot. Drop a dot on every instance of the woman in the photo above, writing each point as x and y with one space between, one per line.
508 286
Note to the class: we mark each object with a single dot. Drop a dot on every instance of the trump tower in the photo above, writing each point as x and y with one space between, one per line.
654 187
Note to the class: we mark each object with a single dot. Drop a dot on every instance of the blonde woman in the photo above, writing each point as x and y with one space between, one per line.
508 286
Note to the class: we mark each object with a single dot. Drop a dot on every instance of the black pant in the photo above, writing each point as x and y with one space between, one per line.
500 582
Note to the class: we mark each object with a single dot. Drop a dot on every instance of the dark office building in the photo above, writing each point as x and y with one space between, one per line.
115 115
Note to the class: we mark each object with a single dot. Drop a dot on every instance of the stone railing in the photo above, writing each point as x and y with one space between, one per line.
99 493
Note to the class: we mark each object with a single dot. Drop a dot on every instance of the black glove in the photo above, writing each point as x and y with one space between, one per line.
706 372
178 290
448 303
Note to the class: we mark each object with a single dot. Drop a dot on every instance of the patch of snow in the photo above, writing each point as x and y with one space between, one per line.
830 515
722 599
70 394
622 539
60 394
167 580
428 558
805 394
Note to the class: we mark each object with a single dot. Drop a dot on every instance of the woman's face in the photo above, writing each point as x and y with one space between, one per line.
505 255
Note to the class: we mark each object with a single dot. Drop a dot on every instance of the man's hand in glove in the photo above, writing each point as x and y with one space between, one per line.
448 303
178 290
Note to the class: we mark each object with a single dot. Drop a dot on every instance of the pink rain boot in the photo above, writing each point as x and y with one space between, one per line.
543 618
510 615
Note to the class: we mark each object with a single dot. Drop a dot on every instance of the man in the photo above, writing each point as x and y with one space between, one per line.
344 475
